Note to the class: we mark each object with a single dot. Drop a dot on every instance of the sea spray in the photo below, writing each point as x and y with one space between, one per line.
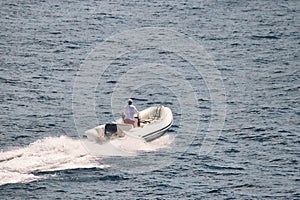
48 154
61 153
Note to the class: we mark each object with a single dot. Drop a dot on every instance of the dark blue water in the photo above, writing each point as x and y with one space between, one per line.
255 47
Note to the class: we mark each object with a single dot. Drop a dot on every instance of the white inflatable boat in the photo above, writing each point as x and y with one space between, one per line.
151 123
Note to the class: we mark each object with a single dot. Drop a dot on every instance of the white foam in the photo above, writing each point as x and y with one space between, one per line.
60 153
126 146
48 154
133 145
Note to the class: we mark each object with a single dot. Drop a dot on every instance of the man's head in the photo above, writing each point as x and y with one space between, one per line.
130 101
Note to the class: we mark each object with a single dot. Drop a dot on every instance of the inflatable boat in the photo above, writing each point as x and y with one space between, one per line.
151 123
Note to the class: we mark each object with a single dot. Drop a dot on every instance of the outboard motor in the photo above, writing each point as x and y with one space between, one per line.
110 129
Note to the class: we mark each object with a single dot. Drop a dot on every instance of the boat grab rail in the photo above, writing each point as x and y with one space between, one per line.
157 112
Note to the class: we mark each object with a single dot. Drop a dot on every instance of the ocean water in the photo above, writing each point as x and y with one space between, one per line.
228 70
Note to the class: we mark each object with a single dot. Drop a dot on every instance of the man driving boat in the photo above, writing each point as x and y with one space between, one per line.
128 113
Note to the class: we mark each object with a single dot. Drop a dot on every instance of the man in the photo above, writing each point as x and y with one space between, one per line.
129 111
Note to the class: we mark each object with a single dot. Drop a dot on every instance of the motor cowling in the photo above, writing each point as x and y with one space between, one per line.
110 129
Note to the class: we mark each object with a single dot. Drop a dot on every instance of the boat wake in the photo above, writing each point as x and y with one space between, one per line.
60 153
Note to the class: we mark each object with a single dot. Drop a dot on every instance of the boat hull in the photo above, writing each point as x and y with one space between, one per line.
153 123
